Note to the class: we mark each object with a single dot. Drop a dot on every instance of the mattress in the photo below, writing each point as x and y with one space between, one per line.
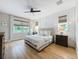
37 41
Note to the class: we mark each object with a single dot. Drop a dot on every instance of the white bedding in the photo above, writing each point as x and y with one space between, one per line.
39 40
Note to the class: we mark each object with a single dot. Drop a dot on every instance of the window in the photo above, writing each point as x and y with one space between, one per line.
21 27
18 28
63 27
25 29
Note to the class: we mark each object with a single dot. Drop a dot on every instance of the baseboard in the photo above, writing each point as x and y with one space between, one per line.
13 40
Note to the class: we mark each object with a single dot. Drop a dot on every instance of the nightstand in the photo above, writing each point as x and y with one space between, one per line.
62 40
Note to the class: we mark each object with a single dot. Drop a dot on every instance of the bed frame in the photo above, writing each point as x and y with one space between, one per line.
41 48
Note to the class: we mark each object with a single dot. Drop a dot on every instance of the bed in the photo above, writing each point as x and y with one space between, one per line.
41 40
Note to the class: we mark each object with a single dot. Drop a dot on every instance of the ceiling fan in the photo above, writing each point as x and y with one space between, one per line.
32 10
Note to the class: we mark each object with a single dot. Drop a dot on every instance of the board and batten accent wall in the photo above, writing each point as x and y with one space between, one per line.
6 25
51 21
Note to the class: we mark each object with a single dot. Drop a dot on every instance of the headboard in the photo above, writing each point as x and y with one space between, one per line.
46 31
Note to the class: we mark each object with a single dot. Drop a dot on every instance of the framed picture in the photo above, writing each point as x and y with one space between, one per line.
62 19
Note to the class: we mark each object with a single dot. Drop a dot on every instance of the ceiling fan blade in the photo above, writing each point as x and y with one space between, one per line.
27 12
36 11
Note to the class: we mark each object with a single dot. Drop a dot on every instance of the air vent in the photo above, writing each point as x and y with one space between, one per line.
59 2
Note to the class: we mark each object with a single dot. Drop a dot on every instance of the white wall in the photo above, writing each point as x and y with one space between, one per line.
4 27
52 21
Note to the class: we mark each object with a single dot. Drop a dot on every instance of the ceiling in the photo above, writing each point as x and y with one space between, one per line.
47 7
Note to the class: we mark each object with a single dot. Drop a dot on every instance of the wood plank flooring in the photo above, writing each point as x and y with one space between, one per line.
19 50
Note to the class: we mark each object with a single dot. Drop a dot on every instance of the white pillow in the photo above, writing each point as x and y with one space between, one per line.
45 33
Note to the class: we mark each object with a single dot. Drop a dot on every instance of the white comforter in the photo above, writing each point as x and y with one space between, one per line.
39 40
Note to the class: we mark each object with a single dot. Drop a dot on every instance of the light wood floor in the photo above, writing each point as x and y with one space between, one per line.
19 50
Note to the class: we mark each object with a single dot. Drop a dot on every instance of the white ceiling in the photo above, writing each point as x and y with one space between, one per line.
47 7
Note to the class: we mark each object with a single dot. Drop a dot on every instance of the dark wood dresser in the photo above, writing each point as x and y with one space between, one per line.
2 45
62 40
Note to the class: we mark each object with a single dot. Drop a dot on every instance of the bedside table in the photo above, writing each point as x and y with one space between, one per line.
62 40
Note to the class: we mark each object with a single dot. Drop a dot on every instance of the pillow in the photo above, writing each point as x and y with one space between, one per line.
45 33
